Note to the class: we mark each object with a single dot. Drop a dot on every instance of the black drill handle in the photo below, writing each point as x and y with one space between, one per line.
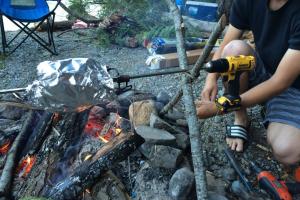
293 188
234 86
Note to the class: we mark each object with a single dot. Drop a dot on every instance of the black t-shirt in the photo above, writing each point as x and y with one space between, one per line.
274 31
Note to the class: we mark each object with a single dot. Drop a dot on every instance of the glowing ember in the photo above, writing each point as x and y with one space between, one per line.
93 128
103 139
88 157
26 166
104 131
88 191
118 131
4 149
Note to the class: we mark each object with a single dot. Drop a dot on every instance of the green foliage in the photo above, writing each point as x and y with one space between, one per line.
79 6
103 38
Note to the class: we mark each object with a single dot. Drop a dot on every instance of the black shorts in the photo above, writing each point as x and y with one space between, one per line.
283 108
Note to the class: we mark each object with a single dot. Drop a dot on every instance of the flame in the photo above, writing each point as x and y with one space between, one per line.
26 166
89 156
4 149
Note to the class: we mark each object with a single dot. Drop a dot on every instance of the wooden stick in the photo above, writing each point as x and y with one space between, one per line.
190 109
200 62
78 16
12 158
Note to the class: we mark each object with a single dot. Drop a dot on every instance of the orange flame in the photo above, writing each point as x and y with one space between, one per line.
26 166
4 149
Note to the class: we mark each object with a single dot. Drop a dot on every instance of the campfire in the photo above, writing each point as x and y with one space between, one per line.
75 155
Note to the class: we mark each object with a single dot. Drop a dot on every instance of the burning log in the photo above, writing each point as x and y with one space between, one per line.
85 175
9 168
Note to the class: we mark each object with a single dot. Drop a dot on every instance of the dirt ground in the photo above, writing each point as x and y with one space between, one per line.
19 70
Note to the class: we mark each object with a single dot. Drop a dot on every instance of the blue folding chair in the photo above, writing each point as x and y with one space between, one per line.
22 13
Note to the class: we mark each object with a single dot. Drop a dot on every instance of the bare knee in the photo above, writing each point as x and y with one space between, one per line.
284 140
237 47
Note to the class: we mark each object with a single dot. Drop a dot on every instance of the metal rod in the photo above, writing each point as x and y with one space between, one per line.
12 90
160 73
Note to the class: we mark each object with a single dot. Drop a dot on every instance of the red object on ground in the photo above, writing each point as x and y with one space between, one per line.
297 174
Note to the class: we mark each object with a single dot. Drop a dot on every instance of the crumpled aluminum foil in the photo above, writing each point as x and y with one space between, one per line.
70 85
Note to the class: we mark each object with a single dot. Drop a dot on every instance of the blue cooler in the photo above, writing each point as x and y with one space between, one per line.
181 5
202 10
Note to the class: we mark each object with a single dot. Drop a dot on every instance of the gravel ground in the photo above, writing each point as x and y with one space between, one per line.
19 70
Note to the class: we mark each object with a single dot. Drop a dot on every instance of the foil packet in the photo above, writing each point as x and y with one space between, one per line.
70 85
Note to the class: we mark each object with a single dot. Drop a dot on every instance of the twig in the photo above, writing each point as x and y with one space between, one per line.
201 60
190 109
78 16
12 158
20 105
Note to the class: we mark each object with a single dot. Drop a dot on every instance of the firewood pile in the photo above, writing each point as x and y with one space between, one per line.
94 153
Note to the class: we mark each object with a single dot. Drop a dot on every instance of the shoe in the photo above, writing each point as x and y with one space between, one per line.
237 131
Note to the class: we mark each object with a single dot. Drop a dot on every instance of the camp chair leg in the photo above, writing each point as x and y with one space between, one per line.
31 33
3 37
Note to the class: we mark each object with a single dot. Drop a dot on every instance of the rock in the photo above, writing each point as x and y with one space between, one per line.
229 174
154 135
159 106
157 122
131 96
215 184
164 156
182 141
239 190
145 149
182 122
174 114
181 184
215 196
140 112
163 97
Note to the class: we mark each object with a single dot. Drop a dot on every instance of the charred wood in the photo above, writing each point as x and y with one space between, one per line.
39 134
86 175
12 158
55 149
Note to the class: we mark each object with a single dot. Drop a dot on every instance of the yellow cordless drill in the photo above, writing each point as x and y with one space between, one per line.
230 68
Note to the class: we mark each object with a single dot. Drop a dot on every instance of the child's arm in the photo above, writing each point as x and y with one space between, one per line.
286 73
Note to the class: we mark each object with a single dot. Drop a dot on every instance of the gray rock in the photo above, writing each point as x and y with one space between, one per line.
159 123
182 122
239 190
159 106
154 135
229 174
163 97
164 156
182 141
145 149
215 184
175 114
181 184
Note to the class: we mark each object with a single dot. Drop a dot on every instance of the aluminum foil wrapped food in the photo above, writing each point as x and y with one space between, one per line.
70 85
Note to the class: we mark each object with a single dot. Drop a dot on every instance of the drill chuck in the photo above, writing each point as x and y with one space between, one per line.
217 66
